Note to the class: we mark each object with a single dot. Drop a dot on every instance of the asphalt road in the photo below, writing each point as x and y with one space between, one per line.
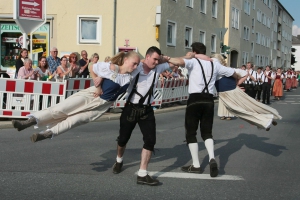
254 164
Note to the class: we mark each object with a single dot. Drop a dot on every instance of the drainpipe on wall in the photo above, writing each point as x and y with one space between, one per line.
114 28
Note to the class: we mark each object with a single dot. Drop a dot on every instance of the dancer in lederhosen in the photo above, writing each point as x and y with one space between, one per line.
240 104
258 84
266 86
138 110
250 81
200 105
86 105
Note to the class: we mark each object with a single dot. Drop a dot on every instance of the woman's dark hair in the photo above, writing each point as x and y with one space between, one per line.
22 50
46 66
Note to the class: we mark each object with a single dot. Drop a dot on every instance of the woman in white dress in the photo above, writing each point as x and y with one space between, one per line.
223 113
86 105
240 104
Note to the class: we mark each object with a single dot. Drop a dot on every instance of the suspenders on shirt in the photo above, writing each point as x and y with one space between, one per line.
148 94
205 90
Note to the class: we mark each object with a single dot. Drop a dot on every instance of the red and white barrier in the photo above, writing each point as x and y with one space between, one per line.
22 97
76 84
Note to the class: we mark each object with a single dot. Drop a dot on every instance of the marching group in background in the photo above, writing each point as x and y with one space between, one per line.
239 91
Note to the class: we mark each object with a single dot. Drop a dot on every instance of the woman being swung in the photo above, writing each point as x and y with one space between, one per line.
223 113
243 106
85 105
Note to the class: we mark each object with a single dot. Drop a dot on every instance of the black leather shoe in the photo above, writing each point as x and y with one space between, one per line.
192 169
274 123
213 166
117 168
147 180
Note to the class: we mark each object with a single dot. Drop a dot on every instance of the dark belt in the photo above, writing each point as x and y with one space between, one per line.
202 94
136 105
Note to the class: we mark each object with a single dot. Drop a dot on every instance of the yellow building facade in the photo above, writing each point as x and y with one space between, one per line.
106 27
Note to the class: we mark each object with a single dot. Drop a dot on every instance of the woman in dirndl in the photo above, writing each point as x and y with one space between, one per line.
278 86
241 105
288 80
294 80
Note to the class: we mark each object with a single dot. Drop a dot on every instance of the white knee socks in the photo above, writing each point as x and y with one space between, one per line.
209 144
119 160
142 173
194 152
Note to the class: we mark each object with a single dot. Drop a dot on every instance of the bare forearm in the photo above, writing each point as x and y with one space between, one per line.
241 80
177 61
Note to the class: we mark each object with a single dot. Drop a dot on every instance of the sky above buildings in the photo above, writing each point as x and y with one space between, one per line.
293 7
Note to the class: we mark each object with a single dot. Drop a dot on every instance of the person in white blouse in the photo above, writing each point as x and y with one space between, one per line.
200 105
86 105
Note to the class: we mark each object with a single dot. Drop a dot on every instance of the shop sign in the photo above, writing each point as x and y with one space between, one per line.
15 27
31 9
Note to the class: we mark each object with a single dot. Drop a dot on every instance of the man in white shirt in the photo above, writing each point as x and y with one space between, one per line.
266 87
200 105
250 81
258 84
138 110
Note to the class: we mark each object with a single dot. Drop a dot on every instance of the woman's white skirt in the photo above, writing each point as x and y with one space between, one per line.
238 103
222 110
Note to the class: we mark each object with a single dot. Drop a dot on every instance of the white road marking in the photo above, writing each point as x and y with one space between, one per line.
194 176
295 103
292 95
289 101
281 103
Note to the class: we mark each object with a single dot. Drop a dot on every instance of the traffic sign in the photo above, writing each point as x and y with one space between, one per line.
221 32
29 14
31 9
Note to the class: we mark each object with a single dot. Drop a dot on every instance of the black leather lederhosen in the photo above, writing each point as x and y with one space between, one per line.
141 114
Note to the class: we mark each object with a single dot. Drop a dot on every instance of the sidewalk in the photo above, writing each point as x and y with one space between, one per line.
5 123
